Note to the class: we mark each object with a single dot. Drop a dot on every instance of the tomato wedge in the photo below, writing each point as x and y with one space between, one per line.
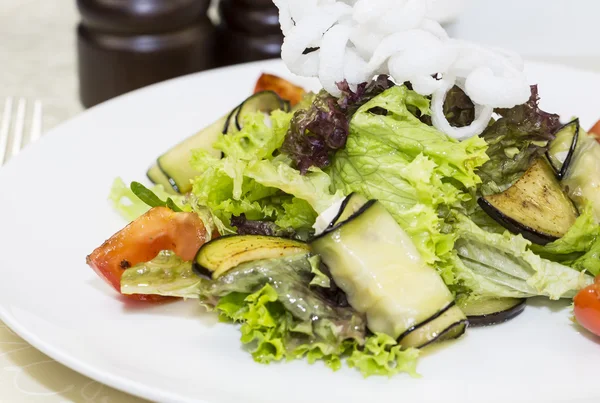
587 307
281 86
159 229
596 130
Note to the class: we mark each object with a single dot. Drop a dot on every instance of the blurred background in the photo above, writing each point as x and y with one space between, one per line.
72 58
71 55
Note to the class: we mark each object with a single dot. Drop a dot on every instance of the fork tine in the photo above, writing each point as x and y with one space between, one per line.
4 127
19 126
36 124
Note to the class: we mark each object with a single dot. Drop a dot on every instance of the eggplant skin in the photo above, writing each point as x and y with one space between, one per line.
497 317
514 226
535 206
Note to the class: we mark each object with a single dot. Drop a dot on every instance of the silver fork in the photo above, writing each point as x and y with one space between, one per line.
21 124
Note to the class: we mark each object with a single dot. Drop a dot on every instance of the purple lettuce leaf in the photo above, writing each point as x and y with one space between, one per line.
317 132
515 141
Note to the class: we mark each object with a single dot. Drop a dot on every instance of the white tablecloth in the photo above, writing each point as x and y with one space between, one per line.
38 61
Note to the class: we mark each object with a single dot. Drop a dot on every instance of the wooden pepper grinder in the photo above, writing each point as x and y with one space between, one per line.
249 30
128 44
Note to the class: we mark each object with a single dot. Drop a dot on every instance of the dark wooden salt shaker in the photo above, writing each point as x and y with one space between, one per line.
249 30
128 44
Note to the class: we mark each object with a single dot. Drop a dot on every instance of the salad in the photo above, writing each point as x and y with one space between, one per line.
421 192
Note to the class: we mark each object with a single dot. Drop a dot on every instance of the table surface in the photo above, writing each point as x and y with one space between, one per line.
37 54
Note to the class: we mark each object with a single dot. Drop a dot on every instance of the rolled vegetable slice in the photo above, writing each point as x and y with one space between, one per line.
172 169
376 263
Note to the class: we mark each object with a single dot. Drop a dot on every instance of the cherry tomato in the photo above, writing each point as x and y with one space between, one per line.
587 307
159 229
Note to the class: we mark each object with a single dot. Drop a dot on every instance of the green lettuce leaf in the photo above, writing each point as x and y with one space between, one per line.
579 247
277 302
167 275
320 279
259 138
128 205
271 334
252 180
287 309
502 265
417 172
312 187
381 355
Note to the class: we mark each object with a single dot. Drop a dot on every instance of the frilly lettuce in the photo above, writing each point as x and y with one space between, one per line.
502 265
272 334
417 172
579 247
287 308
381 355
250 180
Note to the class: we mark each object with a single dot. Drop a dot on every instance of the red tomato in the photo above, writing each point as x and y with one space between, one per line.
159 229
595 130
281 86
587 307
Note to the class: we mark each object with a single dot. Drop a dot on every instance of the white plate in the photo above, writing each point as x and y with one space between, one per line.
54 211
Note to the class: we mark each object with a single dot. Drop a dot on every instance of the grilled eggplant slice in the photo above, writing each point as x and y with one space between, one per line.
375 262
535 206
561 149
491 311
222 254
177 172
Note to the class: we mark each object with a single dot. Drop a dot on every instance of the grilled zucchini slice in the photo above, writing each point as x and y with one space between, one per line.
222 254
157 177
561 149
491 311
377 265
174 165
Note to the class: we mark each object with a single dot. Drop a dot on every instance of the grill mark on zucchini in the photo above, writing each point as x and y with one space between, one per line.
426 321
492 311
171 181
563 169
440 337
342 208
353 201
359 212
